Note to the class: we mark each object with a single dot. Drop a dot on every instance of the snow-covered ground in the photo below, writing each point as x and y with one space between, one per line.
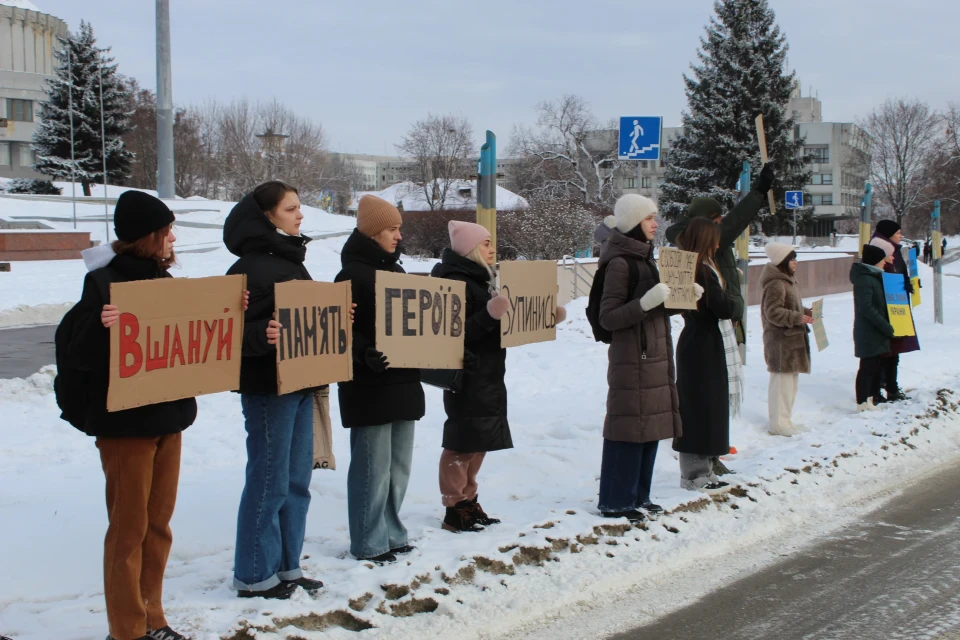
552 552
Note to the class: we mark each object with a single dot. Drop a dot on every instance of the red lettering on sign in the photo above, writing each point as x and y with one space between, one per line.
129 330
211 329
159 360
177 350
225 340
193 344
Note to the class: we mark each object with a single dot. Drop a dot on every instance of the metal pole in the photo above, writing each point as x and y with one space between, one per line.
794 227
103 151
487 188
937 248
866 211
73 159
165 167
743 255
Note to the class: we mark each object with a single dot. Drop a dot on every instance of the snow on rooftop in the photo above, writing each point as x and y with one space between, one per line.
20 4
461 194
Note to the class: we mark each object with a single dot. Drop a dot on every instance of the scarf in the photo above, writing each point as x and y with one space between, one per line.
731 352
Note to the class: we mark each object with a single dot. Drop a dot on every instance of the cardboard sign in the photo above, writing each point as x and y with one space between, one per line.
898 305
532 289
176 338
819 331
323 457
316 339
678 270
420 321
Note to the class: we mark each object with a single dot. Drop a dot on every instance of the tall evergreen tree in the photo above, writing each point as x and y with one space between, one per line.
740 75
81 69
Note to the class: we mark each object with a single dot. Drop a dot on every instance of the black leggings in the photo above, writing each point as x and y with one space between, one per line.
868 377
890 374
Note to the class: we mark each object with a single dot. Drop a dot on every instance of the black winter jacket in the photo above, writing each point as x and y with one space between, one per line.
266 258
91 344
371 398
477 415
872 330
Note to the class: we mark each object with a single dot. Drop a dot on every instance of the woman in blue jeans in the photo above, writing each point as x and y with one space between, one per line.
263 230
381 404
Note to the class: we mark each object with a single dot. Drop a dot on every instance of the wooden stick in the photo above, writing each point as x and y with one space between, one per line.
762 141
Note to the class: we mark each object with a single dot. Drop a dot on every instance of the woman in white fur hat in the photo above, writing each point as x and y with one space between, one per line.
786 341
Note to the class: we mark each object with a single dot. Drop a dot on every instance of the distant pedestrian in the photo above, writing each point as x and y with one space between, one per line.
927 252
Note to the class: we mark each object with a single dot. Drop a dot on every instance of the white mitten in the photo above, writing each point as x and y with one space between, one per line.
497 306
697 291
655 297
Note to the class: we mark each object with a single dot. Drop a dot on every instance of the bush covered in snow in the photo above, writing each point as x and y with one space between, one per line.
39 187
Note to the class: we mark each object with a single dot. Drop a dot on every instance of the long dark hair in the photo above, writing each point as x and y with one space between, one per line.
784 266
701 237
269 194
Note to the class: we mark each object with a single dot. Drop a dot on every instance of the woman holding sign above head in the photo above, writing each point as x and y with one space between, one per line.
381 404
786 343
709 372
642 402
263 230
140 447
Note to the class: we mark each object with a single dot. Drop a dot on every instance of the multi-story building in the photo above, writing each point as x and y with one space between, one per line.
28 39
838 157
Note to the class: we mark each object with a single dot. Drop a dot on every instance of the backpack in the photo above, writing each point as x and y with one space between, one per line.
71 386
596 294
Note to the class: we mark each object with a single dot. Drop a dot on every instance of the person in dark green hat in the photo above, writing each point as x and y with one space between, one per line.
731 226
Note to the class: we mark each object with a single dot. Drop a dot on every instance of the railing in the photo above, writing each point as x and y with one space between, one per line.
582 278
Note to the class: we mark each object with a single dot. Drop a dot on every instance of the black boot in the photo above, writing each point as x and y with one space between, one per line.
281 591
166 633
407 548
632 515
896 395
460 518
481 516
308 585
382 559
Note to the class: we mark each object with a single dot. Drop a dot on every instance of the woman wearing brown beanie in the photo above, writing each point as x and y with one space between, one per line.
140 447
381 404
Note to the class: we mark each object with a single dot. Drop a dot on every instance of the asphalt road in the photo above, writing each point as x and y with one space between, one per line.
24 351
894 575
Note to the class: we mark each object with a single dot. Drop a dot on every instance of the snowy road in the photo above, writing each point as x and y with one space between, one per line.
894 575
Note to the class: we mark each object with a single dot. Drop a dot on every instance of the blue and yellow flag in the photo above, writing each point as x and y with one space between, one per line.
898 305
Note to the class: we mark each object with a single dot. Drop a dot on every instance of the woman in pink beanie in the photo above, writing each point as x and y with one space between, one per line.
477 414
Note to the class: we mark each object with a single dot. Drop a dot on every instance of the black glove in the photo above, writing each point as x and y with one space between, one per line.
375 360
765 180
470 362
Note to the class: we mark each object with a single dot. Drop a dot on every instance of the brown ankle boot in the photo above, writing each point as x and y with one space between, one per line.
460 518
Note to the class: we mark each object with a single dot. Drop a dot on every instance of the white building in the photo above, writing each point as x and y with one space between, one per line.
461 195
28 39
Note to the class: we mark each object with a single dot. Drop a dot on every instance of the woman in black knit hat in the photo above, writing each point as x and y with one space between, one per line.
140 447
889 231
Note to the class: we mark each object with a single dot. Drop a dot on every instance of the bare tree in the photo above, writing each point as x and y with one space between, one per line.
440 151
548 230
905 136
567 154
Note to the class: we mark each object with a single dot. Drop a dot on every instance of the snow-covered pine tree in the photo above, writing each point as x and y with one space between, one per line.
740 75
52 137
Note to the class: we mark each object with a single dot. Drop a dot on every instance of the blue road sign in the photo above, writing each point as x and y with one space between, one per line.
794 199
640 137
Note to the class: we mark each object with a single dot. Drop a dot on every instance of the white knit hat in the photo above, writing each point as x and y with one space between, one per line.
778 252
887 246
630 211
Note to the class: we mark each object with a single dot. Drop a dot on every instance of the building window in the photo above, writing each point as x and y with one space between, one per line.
664 158
630 183
825 199
20 110
646 182
828 178
817 155
815 179
5 154
821 178
26 155
644 164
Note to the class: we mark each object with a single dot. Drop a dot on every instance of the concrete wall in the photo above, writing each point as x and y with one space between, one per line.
49 245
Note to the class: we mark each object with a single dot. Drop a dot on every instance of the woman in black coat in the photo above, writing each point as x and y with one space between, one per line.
477 414
703 369
139 447
381 404
263 231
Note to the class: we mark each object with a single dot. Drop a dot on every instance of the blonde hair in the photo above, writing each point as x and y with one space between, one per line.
478 258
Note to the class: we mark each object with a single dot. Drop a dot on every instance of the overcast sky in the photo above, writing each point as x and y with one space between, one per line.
367 69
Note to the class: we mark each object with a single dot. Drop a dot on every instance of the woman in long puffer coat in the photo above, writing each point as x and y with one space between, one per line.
642 400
